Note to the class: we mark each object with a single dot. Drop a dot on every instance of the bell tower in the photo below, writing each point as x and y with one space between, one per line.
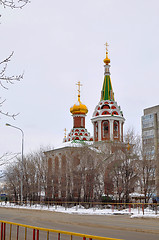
107 118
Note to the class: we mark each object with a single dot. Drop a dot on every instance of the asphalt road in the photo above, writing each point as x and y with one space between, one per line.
122 227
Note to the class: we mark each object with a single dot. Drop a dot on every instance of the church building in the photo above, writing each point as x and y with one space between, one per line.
68 164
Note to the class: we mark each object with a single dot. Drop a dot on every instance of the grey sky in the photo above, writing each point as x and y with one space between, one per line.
58 43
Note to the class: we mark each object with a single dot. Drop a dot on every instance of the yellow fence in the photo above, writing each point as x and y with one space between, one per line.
12 231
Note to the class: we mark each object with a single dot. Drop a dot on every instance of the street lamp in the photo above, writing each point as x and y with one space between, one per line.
22 165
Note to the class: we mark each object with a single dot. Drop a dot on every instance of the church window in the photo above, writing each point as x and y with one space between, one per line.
116 129
106 129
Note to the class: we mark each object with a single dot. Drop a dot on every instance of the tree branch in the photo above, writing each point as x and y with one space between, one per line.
14 3
8 80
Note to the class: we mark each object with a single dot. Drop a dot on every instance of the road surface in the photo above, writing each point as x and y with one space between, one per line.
121 226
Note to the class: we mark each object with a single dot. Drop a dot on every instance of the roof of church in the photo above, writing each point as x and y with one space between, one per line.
75 144
107 90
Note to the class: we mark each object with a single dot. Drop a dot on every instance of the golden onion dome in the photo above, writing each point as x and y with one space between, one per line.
106 60
79 108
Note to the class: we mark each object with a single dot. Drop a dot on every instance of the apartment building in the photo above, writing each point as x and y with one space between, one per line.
150 138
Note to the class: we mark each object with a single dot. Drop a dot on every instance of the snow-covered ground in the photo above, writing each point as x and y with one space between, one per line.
109 210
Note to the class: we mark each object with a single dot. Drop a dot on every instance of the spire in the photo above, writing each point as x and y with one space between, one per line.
107 90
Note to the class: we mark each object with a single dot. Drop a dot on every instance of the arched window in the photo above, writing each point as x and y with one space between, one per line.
105 129
116 129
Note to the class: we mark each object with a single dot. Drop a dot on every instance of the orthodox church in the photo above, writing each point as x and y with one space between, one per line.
107 118
107 123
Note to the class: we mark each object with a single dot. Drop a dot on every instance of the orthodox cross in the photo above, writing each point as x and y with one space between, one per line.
79 85
106 44
65 130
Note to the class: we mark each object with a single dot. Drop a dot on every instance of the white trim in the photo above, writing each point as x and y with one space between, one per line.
99 130
111 129
107 117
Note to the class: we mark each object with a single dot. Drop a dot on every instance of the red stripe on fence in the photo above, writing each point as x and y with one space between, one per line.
37 235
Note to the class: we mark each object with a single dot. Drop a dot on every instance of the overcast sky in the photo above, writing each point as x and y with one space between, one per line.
57 44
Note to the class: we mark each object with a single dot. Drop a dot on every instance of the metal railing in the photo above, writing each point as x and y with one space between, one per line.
11 231
140 207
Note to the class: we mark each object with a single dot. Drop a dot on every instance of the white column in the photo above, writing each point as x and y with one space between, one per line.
120 129
99 130
111 129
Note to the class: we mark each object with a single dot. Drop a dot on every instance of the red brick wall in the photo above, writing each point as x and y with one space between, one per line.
78 122
56 175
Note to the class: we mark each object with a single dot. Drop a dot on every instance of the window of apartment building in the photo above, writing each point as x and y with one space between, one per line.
148 134
148 121
149 141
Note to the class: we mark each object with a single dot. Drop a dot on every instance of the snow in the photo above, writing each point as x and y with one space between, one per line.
135 194
75 143
68 144
78 209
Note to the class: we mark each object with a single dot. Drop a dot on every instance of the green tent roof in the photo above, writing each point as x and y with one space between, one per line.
107 90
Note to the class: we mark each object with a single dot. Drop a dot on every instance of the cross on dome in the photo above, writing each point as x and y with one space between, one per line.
106 60
79 90
106 44
65 132
79 108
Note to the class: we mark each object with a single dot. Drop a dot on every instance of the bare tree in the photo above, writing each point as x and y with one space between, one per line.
14 3
147 173
5 80
34 176
122 170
